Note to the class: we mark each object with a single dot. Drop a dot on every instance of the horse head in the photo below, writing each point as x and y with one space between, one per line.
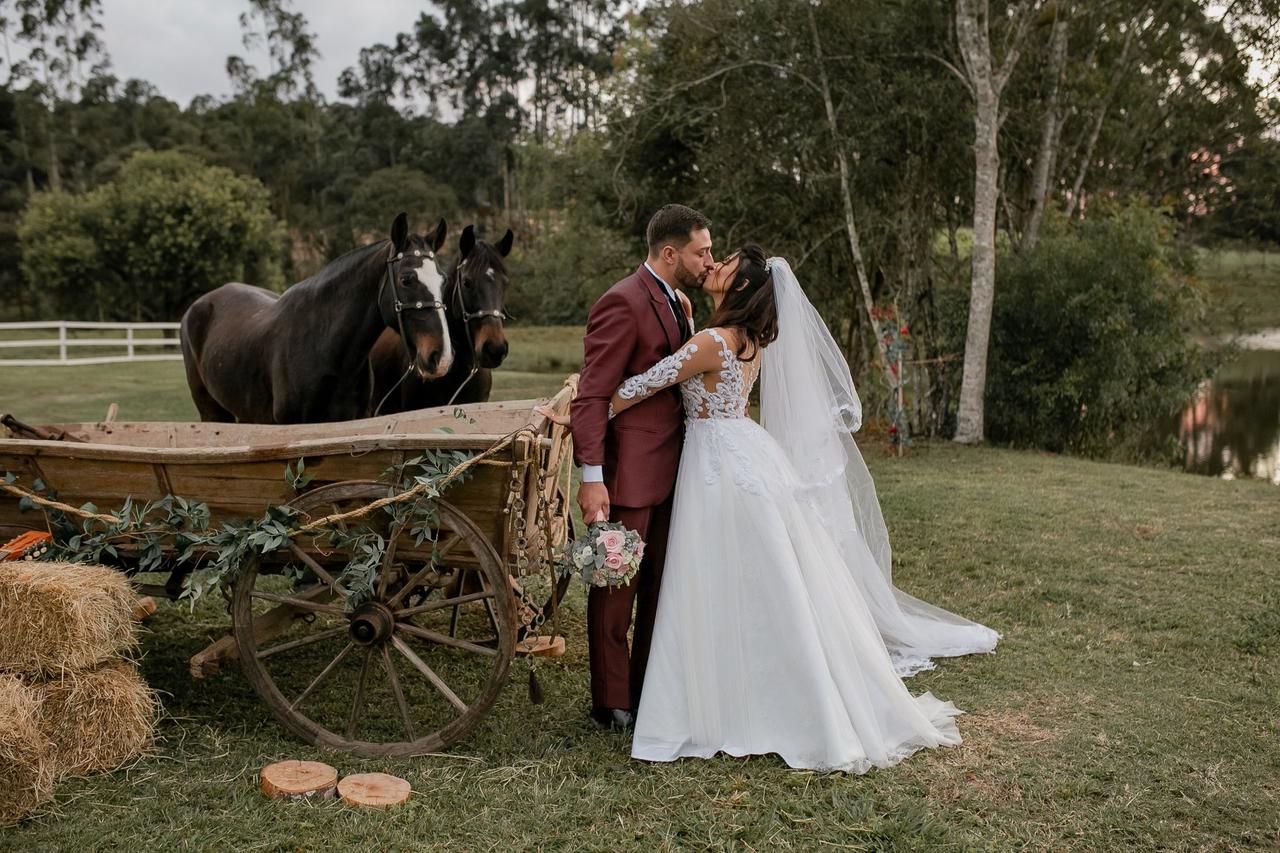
477 292
411 298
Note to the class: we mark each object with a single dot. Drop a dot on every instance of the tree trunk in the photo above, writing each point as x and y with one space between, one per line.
1050 133
55 175
985 85
1073 201
846 199
969 423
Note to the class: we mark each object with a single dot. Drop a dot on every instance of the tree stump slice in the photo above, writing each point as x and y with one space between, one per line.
373 790
287 780
541 647
144 608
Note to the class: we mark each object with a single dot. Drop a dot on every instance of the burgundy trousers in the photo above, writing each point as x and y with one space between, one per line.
617 673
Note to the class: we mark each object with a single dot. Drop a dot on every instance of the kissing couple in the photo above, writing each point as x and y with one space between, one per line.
766 620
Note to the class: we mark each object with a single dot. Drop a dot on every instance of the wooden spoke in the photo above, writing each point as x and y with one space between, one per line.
323 673
445 640
388 560
357 699
399 694
304 641
300 603
315 567
443 603
436 682
493 617
440 553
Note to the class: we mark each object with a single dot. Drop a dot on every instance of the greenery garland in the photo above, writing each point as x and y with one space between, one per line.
85 535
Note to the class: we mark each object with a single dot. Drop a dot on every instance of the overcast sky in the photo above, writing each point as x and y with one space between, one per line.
181 46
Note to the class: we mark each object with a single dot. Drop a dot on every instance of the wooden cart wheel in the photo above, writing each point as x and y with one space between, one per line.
413 668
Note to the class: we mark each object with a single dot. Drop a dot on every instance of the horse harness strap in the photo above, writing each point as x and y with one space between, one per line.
393 262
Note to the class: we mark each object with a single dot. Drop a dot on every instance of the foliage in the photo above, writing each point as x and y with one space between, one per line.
1090 336
398 188
166 229
182 528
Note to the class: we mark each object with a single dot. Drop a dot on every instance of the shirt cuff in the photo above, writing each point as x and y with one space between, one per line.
593 473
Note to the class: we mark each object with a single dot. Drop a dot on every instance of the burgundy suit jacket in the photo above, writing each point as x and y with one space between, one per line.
629 330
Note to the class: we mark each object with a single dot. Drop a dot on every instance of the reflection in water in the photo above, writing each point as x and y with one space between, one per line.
1232 428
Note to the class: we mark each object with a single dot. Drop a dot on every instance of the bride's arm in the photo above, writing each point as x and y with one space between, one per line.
700 355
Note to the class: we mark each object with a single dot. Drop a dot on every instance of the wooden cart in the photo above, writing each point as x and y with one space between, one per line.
415 666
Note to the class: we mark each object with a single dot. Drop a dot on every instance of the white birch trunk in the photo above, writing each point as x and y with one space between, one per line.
1051 132
986 85
892 381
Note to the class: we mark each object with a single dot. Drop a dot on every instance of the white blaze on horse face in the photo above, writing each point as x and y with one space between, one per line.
431 278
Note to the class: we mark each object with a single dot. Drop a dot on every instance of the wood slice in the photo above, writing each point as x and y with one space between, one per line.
144 608
373 790
542 647
286 780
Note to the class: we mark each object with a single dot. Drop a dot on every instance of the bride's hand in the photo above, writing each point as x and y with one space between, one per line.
548 413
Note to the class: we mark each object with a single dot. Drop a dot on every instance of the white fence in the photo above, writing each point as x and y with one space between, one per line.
73 335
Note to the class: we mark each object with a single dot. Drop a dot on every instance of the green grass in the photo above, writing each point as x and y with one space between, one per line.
541 357
1243 285
1131 705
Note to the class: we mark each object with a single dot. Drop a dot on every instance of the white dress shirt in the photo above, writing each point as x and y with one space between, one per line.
595 473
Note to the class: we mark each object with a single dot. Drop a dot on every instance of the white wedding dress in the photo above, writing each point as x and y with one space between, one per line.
763 642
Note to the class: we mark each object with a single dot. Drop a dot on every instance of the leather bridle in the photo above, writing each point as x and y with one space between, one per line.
467 316
393 269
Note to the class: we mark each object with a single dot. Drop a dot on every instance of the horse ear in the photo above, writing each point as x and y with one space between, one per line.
504 245
400 231
467 241
441 230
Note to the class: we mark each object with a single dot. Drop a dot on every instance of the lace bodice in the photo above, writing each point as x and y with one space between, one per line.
730 384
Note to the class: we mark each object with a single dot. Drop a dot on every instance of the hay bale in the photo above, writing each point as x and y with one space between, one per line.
97 719
26 766
56 617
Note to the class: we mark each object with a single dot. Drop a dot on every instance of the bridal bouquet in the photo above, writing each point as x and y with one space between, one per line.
608 554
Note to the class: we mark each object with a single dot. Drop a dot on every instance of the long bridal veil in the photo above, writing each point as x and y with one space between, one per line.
809 405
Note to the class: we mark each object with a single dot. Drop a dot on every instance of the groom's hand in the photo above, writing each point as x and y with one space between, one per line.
593 500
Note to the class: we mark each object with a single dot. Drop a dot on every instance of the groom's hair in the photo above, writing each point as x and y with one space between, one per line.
673 224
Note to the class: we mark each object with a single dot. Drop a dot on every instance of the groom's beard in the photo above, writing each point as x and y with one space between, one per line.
686 277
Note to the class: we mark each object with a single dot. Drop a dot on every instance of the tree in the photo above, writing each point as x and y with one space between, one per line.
64 52
985 75
144 246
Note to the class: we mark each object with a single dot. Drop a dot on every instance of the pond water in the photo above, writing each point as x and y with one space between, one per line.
1232 427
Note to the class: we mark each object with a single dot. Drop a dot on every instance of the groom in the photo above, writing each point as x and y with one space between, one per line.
629 464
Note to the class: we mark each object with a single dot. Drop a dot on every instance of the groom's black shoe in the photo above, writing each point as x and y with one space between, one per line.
614 719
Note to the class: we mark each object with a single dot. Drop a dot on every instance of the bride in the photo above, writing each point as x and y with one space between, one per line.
778 628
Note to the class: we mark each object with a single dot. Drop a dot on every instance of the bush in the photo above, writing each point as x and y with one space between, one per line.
384 193
557 279
143 246
1093 336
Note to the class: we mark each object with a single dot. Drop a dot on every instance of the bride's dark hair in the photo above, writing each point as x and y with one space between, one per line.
748 305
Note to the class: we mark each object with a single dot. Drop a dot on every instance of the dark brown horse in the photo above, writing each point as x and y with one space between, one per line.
303 356
474 296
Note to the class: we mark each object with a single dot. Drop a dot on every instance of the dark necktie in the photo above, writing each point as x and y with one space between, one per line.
681 322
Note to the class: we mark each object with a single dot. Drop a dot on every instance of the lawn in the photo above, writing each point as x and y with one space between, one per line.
1244 288
157 391
1131 704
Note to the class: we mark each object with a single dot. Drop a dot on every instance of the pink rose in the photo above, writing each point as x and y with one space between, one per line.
640 551
613 560
612 540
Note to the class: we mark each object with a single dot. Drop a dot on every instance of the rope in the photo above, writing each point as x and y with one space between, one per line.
453 474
